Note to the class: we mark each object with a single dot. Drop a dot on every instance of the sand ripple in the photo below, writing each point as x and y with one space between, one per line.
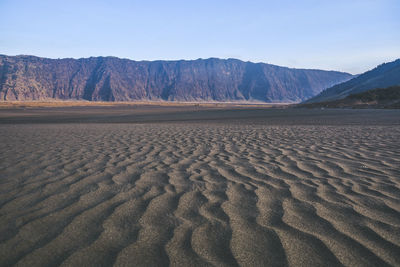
199 195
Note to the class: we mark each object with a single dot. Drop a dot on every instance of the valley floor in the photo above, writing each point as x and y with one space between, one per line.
199 186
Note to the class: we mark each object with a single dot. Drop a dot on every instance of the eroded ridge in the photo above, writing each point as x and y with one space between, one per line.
199 195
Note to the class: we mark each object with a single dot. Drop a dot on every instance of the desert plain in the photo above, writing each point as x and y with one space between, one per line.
198 185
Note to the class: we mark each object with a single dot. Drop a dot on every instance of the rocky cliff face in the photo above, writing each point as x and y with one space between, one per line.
115 79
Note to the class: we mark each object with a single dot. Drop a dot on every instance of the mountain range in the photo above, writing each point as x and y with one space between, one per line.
116 79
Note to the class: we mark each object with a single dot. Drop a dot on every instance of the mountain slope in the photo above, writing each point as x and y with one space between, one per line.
115 79
375 98
382 76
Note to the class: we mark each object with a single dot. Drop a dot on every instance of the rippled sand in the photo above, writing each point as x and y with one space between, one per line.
245 193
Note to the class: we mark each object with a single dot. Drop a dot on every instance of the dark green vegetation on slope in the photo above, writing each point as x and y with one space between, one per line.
115 79
376 98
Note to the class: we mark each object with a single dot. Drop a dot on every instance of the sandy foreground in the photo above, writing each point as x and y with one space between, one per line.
98 186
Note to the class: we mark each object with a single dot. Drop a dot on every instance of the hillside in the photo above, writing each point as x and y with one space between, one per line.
115 79
382 76
376 98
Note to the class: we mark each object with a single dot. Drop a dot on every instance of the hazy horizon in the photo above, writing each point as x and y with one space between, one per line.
343 36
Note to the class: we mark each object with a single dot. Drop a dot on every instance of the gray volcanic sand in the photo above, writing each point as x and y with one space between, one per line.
287 187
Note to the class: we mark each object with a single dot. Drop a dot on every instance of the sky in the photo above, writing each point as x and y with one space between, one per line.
346 35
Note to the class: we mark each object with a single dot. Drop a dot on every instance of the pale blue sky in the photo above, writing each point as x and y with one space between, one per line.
352 35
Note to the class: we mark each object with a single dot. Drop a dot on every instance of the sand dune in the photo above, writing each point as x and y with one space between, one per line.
199 194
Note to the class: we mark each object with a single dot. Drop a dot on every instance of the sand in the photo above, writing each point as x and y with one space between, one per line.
247 187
